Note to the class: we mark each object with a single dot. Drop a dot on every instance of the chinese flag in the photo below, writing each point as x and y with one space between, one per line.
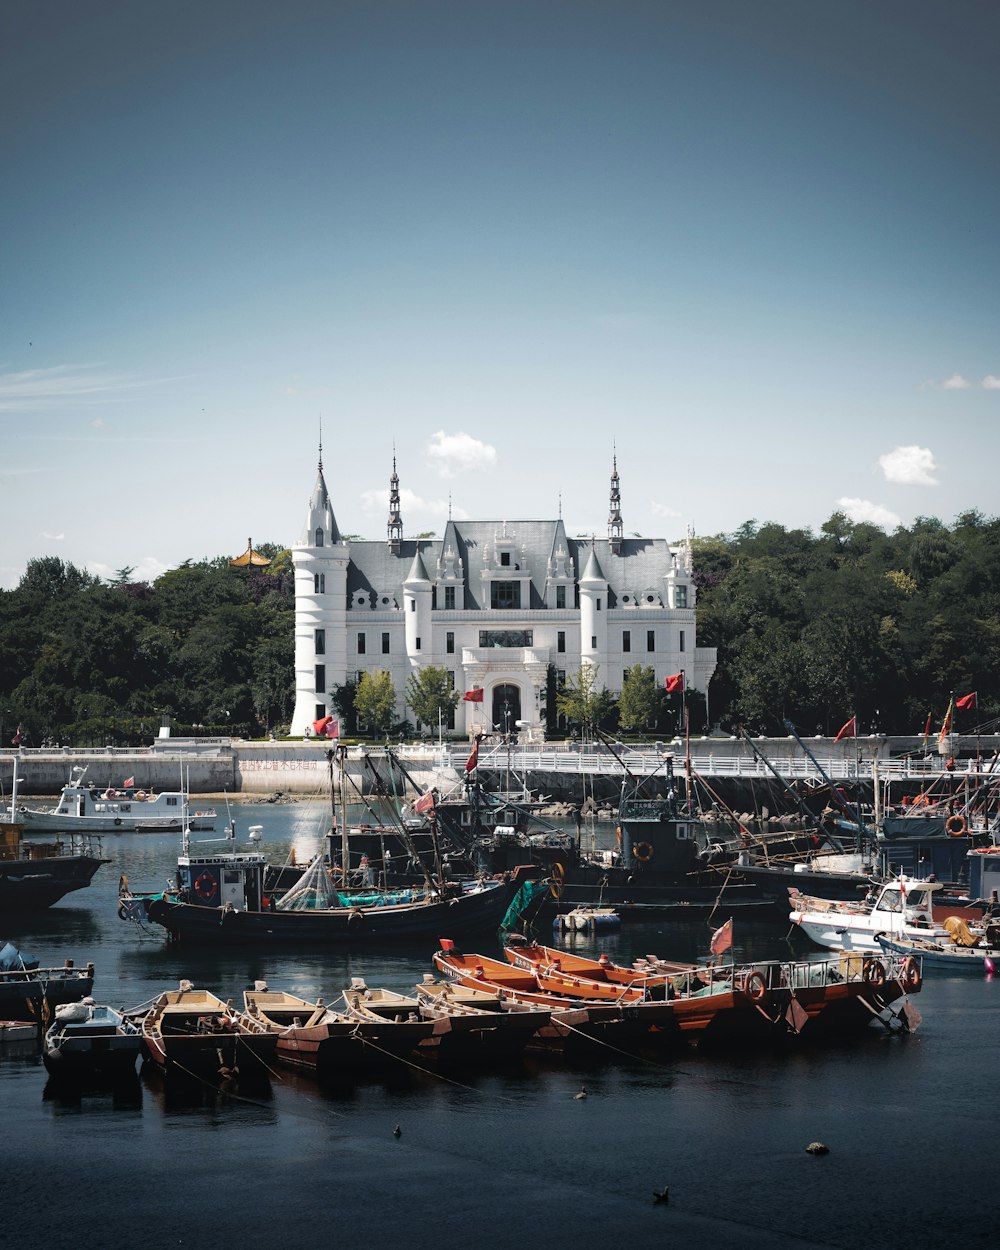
722 938
967 701
473 696
425 803
674 682
850 730
473 761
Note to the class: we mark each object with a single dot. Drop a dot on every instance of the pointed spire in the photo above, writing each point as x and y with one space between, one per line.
418 570
615 513
395 526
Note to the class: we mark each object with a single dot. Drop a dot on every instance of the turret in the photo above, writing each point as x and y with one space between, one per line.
593 611
417 593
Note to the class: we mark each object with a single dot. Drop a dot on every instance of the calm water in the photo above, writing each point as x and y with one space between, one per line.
499 1159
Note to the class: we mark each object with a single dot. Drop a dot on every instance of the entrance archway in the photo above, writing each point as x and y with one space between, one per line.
506 708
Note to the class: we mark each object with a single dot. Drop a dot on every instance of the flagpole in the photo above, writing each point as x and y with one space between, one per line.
687 741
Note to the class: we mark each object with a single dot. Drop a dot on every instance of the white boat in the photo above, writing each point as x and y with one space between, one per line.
900 908
129 809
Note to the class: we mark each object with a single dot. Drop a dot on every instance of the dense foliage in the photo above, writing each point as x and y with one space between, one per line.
812 627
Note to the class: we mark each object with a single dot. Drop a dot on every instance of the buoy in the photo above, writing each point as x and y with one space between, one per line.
817 1148
397 1131
662 1195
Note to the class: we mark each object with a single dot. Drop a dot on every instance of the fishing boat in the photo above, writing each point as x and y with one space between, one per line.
902 907
194 1033
37 872
481 1023
89 1040
950 957
522 954
89 808
28 992
314 1037
372 1006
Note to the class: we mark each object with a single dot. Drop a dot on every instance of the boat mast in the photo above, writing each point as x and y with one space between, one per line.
345 840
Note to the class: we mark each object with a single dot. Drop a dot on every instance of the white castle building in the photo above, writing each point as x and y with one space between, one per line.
494 603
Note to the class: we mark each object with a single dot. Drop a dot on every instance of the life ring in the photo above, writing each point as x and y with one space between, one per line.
140 796
118 820
873 972
755 987
558 870
911 976
643 852
206 886
556 887
956 825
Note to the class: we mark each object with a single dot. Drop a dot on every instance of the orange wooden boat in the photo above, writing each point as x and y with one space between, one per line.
646 975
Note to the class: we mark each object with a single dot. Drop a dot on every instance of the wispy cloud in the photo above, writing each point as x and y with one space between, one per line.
410 503
863 510
990 383
148 569
956 383
452 454
909 466
55 538
33 390
663 510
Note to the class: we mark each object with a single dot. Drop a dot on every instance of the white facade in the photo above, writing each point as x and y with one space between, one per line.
493 603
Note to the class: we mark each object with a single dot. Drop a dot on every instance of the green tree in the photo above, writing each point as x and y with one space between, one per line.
430 694
344 699
375 701
640 698
583 701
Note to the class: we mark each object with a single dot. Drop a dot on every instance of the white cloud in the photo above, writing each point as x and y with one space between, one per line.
662 510
98 423
54 538
148 569
452 454
376 502
863 510
991 383
956 383
909 466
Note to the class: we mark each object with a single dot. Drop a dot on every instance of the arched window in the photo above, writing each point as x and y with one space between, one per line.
319 538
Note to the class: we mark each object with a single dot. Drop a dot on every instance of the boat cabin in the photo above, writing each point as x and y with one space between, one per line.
234 878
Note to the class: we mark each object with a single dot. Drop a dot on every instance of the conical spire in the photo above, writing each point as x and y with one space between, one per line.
615 513
321 525
395 526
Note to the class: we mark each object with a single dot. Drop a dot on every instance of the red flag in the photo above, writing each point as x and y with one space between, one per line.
949 716
722 938
425 803
850 730
473 760
473 696
16 740
326 727
927 729
674 682
967 701
446 944
128 783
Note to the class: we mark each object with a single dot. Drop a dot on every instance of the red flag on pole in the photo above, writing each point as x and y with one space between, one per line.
674 682
128 783
473 760
326 727
722 938
949 716
473 696
967 702
16 740
850 730
425 803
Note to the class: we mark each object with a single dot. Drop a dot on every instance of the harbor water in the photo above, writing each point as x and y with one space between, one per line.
494 1158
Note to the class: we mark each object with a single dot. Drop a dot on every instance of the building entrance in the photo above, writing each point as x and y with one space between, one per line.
506 708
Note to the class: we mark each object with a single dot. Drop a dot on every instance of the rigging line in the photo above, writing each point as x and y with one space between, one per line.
437 1075
277 1075
253 1102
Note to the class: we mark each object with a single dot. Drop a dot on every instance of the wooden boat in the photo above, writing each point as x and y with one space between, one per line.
195 1033
28 992
646 974
480 1023
943 957
91 1040
316 1038
378 1006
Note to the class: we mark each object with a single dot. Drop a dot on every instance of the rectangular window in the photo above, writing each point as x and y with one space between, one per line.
593 642
650 639
449 643
505 595
451 679
449 598
680 646
320 679
560 677
320 641
171 801
681 596
320 712
319 583
413 605
560 596
576 596
418 642
598 605
626 640
561 640
385 644
362 643
505 637
505 557
434 598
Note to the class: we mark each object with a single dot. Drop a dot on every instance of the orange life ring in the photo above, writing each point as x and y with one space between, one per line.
911 975
873 972
643 852
755 986
956 825
206 886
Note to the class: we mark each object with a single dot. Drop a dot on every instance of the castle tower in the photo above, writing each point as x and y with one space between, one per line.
417 592
320 559
593 612
615 512
395 526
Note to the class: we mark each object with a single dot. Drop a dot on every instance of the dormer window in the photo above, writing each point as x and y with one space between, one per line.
505 558
319 538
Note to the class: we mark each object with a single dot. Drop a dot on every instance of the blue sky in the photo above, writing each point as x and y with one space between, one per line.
750 246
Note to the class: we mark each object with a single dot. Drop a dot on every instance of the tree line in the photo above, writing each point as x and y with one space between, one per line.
809 627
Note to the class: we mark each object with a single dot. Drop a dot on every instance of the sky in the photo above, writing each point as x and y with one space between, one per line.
748 248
